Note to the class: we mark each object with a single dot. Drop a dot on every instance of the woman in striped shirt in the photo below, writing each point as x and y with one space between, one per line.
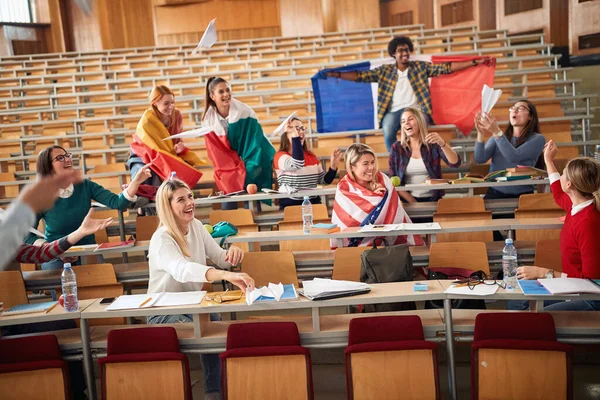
297 167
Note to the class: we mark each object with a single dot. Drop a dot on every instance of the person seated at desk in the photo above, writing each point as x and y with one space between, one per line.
74 201
177 261
366 196
520 144
416 156
297 167
577 191
159 122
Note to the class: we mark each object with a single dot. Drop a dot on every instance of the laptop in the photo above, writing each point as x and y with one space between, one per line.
335 294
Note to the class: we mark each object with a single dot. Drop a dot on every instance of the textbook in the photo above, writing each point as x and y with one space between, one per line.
508 178
272 292
30 308
116 245
570 285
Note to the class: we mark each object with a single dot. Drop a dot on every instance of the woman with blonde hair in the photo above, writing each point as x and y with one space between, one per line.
366 196
417 156
577 191
177 260
159 122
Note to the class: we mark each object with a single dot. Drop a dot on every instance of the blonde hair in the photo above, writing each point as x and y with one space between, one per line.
157 93
165 212
421 123
584 174
354 154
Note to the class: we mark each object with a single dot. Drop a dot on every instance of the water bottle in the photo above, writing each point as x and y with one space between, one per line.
509 264
597 153
307 215
69 288
173 175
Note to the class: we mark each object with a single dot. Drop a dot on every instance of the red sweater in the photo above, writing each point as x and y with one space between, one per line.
579 238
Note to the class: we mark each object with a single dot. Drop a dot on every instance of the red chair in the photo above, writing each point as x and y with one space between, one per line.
516 356
144 363
389 355
32 368
265 360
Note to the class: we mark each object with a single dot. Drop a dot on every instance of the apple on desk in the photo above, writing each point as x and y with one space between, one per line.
395 180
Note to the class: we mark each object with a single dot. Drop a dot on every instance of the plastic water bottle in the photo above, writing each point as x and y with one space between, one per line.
307 215
173 175
509 264
597 153
69 288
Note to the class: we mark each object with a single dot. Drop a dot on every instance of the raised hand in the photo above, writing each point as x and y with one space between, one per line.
336 157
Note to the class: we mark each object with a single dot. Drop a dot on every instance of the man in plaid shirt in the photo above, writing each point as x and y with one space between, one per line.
403 84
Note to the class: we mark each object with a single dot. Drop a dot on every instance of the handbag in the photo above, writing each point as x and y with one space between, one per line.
387 264
223 230
455 273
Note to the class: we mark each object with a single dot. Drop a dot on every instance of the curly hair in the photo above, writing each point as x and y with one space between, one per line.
397 41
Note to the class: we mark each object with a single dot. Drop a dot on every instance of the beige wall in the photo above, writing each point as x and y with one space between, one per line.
524 21
437 4
301 17
584 19
351 15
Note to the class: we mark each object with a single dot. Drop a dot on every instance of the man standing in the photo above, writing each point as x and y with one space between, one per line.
402 84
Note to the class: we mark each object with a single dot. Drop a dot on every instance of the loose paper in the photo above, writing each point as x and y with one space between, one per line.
478 290
489 98
281 128
194 133
320 285
272 290
208 38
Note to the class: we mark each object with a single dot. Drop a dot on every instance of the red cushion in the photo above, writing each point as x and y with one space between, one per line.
262 334
142 357
159 339
266 352
29 348
32 366
390 346
522 345
515 326
385 329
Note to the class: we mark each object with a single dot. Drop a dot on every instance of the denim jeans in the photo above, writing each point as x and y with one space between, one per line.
558 305
391 125
211 364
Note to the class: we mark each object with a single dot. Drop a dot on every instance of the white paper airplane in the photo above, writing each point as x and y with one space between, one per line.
489 98
281 128
208 38
32 230
194 133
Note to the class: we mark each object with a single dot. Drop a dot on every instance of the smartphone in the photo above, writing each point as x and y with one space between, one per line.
107 300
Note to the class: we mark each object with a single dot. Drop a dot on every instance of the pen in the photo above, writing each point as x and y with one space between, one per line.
51 308
145 302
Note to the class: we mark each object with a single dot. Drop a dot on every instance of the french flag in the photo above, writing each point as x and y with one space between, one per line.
348 106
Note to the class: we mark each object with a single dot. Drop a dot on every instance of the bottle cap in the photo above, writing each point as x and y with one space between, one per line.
508 241
306 197
173 175
67 265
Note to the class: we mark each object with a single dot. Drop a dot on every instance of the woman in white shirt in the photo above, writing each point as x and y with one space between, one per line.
177 258
417 155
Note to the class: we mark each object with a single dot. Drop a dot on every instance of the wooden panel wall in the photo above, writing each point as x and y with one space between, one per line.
49 12
330 19
83 30
584 19
474 13
487 14
301 17
5 47
126 23
559 22
235 19
19 40
525 21
351 15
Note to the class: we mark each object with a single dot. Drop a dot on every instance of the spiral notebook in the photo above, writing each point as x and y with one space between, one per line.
29 308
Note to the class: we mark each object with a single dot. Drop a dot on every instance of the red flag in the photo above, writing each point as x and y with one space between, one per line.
456 97
230 171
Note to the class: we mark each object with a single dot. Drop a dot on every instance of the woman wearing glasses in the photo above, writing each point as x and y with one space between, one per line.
297 167
520 144
177 259
74 201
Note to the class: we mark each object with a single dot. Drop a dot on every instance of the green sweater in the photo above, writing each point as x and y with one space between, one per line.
68 214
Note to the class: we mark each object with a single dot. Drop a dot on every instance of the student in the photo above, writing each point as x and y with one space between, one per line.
402 84
577 191
177 259
297 167
520 144
74 201
366 196
159 122
239 150
417 155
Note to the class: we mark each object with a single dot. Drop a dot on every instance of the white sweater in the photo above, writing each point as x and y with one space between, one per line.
171 271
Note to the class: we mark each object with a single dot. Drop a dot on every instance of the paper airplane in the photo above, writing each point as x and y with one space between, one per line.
194 133
489 98
208 38
32 230
281 128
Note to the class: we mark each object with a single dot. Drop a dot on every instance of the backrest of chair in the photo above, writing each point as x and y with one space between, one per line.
486 236
537 201
29 348
262 334
270 266
159 339
12 289
533 235
103 168
465 255
460 205
145 226
294 213
385 329
303 244
547 254
236 217
95 274
347 262
515 326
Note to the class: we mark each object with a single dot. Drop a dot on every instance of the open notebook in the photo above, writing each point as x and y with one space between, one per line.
30 308
164 299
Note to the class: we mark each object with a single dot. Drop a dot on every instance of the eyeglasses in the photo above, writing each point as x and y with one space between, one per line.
63 157
300 129
403 50
518 109
481 278
222 298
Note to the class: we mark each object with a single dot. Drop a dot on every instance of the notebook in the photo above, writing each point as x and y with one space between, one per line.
30 308
570 285
272 292
532 287
164 299
323 289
